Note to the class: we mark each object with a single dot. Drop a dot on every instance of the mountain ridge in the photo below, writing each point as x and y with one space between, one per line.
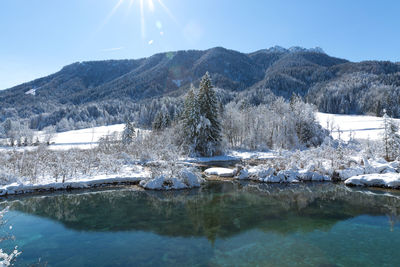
275 70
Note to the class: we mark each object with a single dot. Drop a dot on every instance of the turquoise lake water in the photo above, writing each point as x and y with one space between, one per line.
221 224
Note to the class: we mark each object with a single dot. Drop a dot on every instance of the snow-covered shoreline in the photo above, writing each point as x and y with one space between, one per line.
372 174
385 180
369 173
22 187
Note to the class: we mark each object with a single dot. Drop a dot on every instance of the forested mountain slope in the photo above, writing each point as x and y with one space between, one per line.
104 92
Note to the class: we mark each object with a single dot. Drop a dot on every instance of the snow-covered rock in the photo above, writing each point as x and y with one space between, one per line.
272 179
269 175
390 180
306 175
222 172
350 172
287 176
187 178
257 172
379 166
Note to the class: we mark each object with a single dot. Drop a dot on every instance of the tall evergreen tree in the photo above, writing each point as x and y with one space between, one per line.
202 119
191 119
129 132
162 119
391 138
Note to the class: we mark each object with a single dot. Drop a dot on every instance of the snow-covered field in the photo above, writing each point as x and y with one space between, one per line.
80 139
84 138
357 126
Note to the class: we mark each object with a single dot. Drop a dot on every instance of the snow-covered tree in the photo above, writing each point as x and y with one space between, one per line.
391 138
209 128
191 118
7 259
129 132
202 124
162 120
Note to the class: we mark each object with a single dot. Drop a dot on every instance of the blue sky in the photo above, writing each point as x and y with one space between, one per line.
39 37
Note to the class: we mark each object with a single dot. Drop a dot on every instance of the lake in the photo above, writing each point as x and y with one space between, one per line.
220 224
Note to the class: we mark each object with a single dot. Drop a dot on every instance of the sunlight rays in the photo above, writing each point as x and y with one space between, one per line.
130 4
143 6
142 20
166 9
111 14
151 5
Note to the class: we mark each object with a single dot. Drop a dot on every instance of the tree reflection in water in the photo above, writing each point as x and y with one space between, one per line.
217 210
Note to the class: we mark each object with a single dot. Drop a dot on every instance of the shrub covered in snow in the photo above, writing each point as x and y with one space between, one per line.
7 259
172 176
266 174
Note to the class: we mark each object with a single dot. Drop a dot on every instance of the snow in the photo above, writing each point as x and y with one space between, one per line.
127 176
187 178
350 172
252 154
234 155
210 159
360 126
222 172
389 180
31 92
270 175
374 166
85 137
7 259
277 48
77 139
373 172
306 175
260 172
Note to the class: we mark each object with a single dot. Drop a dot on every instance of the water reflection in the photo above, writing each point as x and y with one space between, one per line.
218 210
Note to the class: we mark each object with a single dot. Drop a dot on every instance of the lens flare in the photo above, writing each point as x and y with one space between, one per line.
142 3
142 20
130 4
151 5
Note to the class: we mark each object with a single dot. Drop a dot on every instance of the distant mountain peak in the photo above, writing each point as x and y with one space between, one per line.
295 49
277 48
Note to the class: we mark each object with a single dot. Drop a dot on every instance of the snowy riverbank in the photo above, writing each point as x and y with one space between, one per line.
374 173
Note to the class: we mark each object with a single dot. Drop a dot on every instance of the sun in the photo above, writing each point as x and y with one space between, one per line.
143 4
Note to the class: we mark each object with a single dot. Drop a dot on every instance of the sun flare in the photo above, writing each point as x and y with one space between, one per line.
143 6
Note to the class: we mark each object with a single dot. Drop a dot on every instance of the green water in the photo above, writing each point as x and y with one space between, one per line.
221 224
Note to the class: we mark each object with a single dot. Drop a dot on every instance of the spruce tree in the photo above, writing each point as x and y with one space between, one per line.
201 120
210 125
157 122
391 138
191 118
162 119
129 132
